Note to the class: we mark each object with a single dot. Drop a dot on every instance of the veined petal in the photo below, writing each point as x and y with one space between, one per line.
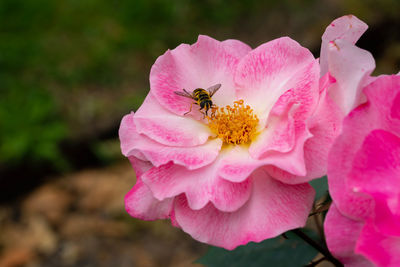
395 109
192 157
273 208
324 125
376 172
140 166
236 163
348 28
140 203
268 71
279 135
351 67
340 164
167 128
383 96
290 167
384 250
201 65
200 186
341 236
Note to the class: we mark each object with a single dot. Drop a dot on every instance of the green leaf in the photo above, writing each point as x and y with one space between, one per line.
271 252
321 187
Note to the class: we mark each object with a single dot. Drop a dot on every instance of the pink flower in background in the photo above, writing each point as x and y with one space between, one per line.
242 174
363 224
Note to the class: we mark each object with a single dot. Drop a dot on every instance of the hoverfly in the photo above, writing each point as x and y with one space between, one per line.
201 96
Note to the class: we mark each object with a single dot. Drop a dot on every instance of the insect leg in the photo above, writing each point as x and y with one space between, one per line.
202 112
189 109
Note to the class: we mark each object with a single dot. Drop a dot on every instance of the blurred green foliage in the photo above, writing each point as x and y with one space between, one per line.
72 68
30 129
320 186
277 251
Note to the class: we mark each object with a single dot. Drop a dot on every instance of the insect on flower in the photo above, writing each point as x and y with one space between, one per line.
201 96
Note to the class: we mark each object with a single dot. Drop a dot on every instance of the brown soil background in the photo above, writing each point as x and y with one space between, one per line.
79 220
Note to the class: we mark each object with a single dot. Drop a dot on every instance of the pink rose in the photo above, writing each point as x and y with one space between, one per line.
363 224
240 175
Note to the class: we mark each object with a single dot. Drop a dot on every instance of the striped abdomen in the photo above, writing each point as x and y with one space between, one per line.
203 99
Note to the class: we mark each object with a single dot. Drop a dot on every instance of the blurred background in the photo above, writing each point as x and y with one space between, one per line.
69 71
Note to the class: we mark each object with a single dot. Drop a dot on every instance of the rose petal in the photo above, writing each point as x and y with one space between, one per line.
324 128
376 167
395 110
273 208
203 64
265 73
236 164
376 172
290 167
195 157
279 135
167 128
348 28
140 166
341 235
325 125
140 203
200 186
350 203
382 95
289 113
351 67
382 250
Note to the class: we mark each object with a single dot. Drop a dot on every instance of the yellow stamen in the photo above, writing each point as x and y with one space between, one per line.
234 125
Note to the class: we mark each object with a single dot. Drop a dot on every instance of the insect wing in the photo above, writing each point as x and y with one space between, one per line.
184 93
211 90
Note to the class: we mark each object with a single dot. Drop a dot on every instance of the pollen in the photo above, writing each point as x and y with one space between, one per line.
234 125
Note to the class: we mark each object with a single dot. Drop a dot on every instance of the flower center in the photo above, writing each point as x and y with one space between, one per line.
234 125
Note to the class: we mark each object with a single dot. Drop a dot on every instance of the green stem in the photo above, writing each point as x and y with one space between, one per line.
318 224
315 263
318 247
